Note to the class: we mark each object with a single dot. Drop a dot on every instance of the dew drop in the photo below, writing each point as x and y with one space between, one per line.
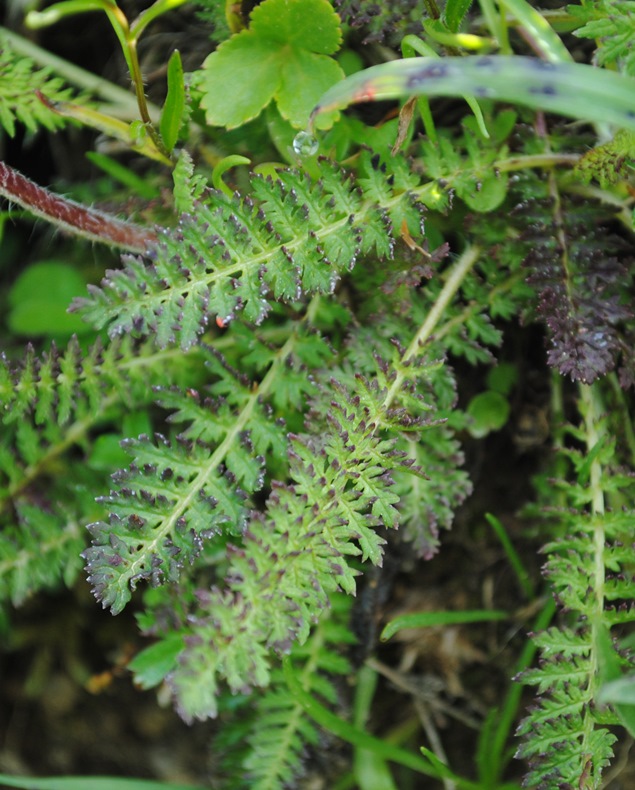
304 144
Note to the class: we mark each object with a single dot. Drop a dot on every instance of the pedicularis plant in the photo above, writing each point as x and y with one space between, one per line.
278 361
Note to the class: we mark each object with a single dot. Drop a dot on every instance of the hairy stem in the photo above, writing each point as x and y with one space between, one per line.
71 216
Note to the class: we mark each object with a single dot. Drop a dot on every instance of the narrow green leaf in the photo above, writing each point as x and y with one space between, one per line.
150 14
542 34
429 619
620 691
512 555
370 769
571 89
616 689
174 107
454 12
344 730
53 14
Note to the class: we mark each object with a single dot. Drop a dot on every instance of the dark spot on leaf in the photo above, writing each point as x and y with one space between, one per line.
544 90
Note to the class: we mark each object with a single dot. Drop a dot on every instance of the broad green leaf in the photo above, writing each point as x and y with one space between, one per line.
502 378
308 24
485 195
240 79
174 107
39 301
283 55
305 78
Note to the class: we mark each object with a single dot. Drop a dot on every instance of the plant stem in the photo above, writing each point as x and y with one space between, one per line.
451 286
123 105
71 216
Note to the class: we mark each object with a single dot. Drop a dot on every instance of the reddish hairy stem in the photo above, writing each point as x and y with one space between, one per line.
81 220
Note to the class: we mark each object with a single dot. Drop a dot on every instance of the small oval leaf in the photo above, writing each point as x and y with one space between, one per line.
173 111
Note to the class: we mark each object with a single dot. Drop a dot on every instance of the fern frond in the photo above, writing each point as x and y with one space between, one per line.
281 729
178 494
42 548
148 537
51 406
612 24
69 384
565 739
379 21
52 402
21 84
582 281
293 238
295 556
610 162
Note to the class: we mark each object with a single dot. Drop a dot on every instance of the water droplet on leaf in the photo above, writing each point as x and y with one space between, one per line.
304 144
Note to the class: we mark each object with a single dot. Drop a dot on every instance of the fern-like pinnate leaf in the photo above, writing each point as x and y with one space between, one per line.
40 549
296 555
611 23
582 281
565 737
21 84
148 536
172 498
50 406
381 21
281 729
177 494
232 255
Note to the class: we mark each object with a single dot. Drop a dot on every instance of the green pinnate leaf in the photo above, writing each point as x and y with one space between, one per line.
611 23
169 502
228 256
610 162
21 82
